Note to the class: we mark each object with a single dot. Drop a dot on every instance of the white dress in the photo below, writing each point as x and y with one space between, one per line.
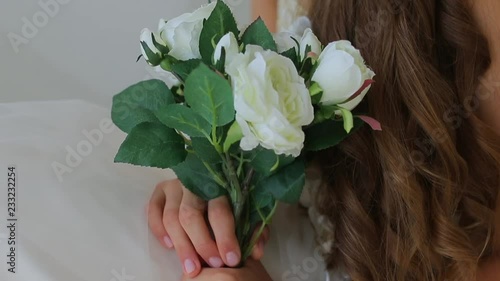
292 17
322 226
288 12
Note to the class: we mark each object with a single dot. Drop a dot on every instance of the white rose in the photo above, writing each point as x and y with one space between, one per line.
182 34
271 100
309 39
285 41
152 47
230 45
150 43
341 73
289 38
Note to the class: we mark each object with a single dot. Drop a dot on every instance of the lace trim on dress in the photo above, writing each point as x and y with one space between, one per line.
292 18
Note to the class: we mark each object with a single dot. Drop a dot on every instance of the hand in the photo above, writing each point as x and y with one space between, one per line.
177 219
253 271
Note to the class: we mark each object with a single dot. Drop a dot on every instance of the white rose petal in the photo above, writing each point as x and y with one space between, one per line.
167 77
271 100
341 73
230 45
182 34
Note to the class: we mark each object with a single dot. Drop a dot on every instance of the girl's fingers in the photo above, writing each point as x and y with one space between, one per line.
222 222
192 218
155 215
185 250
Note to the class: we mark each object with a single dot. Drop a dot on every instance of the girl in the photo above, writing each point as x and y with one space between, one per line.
414 202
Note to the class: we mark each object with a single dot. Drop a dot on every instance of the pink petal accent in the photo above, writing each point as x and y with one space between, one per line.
374 124
312 55
365 85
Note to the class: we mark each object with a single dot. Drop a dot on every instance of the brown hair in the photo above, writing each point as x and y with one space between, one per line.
415 201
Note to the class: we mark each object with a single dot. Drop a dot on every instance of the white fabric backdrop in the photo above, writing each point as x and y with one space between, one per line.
89 224
80 49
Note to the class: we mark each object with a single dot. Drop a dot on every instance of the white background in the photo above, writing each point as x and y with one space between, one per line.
86 50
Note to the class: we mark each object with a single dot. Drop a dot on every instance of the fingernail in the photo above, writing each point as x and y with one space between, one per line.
168 242
215 262
232 259
189 266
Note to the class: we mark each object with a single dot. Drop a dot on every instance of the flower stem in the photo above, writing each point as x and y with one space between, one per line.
240 165
258 234
239 200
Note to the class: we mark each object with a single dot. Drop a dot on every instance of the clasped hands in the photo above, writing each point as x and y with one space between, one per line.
177 218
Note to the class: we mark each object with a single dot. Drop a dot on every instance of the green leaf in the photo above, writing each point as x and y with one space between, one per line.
210 95
220 22
258 34
348 119
325 112
184 68
316 99
137 104
151 57
286 185
265 203
220 65
328 134
292 55
184 119
233 135
152 145
315 89
306 51
195 176
307 69
267 162
163 49
261 198
205 150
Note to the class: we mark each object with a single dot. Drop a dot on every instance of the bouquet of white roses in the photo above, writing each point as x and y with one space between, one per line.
246 110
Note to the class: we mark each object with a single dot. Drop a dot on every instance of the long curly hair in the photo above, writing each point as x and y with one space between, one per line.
416 201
